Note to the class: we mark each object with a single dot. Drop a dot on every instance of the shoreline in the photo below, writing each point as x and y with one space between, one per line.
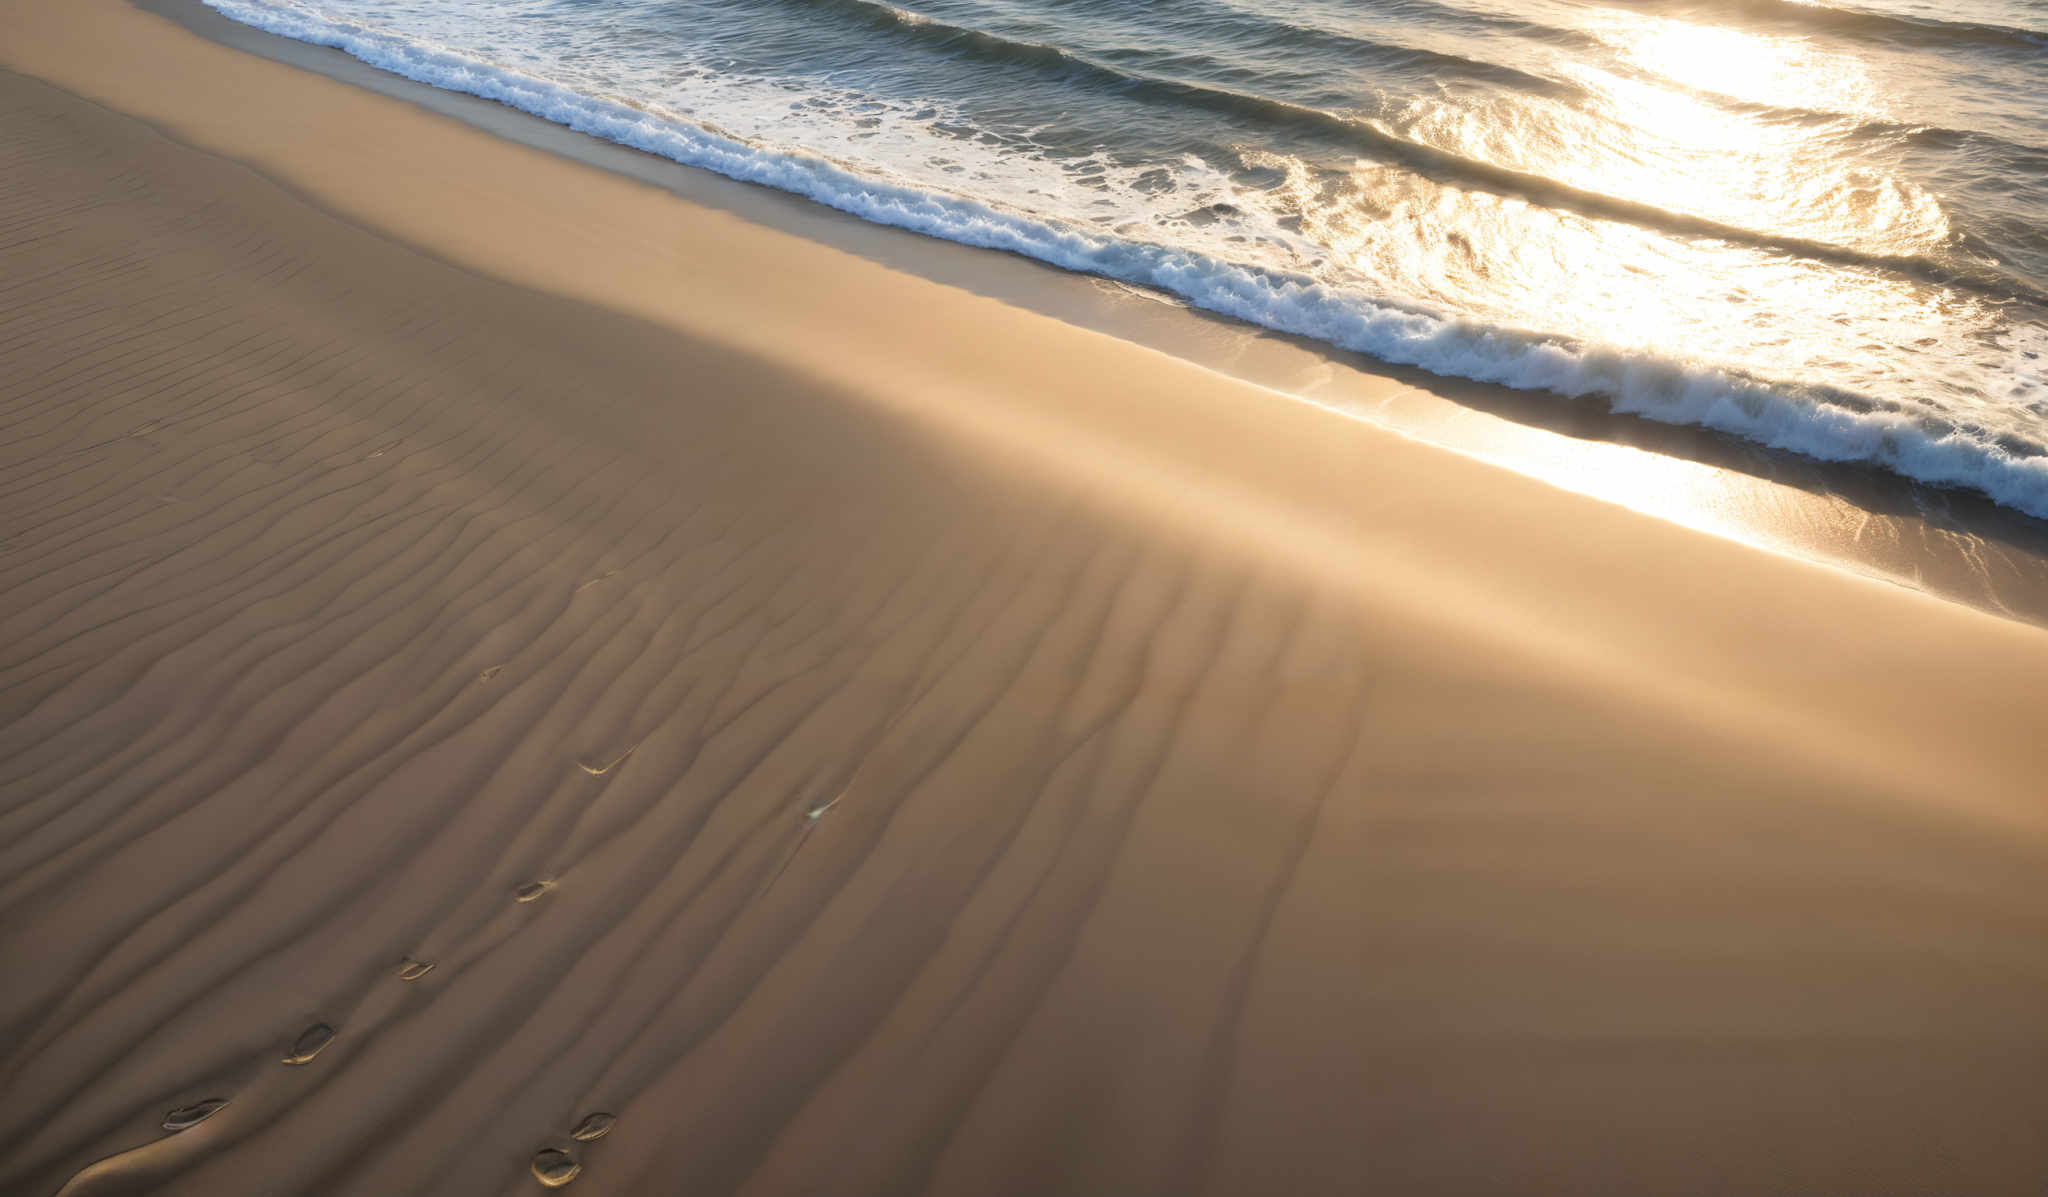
1955 543
965 752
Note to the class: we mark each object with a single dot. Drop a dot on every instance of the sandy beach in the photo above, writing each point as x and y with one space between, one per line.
872 736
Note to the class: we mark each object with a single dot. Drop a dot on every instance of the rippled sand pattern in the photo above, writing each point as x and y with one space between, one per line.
526 715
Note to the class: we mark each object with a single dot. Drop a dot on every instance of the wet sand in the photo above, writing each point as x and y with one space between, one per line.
871 737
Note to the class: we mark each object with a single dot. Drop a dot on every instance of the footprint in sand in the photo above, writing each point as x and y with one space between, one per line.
593 1128
554 1167
310 1043
608 766
412 970
187 1117
531 890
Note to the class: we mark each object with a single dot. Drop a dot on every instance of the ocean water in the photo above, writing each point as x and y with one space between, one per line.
1816 226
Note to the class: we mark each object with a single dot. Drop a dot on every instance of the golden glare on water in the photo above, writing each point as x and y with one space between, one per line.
1697 156
1786 72
1662 131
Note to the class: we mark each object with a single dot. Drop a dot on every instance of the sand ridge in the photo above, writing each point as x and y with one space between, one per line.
1003 761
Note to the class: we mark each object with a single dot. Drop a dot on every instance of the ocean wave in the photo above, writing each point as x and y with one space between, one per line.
1438 165
1001 49
1830 426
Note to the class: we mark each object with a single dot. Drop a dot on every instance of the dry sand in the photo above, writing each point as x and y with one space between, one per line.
970 754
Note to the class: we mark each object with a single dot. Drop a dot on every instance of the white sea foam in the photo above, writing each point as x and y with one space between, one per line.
1916 441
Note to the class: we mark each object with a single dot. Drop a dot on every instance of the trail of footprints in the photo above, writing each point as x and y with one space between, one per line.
553 1166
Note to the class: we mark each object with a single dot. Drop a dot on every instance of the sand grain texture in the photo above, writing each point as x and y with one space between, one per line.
964 753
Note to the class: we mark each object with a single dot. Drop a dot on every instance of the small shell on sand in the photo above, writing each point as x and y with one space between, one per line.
610 573
608 766
531 890
412 970
597 1126
187 1117
554 1167
310 1043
